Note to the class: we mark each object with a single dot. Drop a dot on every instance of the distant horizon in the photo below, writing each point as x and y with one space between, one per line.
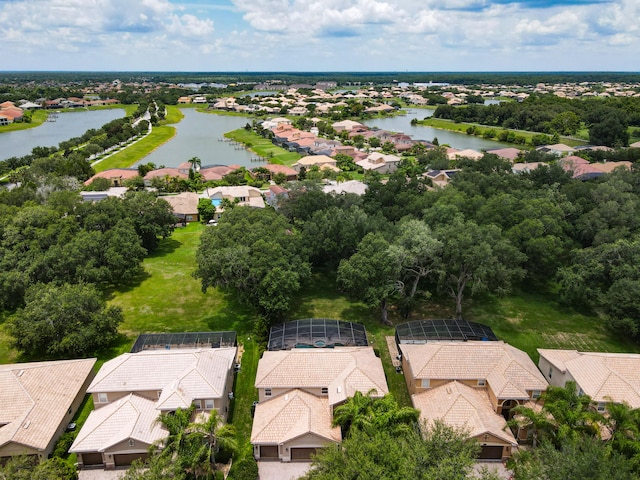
327 72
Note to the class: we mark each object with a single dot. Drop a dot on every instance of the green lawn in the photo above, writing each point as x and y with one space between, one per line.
263 147
462 127
38 117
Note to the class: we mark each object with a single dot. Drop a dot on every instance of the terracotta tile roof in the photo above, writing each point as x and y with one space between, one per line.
509 372
35 398
462 406
131 417
603 376
342 370
275 168
292 415
161 172
120 173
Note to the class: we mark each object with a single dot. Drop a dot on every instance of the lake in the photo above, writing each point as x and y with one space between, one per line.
68 125
198 135
402 123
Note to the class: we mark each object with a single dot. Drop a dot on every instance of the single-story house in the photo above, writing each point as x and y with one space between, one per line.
322 161
98 196
345 125
511 154
275 169
557 149
441 178
242 195
184 205
467 153
117 176
351 186
38 401
164 173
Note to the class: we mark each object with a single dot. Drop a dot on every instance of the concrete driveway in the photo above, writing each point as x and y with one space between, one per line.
100 474
282 471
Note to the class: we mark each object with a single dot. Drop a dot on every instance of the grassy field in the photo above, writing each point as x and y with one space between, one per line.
462 127
263 147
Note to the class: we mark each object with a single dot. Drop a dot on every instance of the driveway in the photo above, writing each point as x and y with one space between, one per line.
100 474
282 471
496 467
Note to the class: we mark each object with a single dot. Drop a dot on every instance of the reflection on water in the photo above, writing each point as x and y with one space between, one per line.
200 135
67 125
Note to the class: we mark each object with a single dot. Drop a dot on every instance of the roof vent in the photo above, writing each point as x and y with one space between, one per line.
339 389
20 373
26 424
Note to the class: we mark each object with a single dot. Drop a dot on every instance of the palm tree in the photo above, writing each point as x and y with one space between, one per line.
540 421
355 412
215 435
176 423
195 162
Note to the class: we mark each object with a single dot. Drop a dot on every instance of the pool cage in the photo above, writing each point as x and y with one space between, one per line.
316 333
170 341
423 331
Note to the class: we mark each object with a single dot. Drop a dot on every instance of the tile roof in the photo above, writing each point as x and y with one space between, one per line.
179 374
509 372
183 203
461 406
35 398
603 376
343 370
131 417
121 173
292 415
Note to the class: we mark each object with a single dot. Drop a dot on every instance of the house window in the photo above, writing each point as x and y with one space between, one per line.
324 390
102 398
208 404
132 443
536 394
198 404
601 407
482 382
159 393
550 372
580 392
426 382
267 392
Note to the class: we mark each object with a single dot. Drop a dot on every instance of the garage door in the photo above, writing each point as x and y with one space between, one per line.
491 453
302 453
270 451
125 459
92 459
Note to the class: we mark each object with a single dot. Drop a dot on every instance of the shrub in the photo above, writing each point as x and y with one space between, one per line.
245 469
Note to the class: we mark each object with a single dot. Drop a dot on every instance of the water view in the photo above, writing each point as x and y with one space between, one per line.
49 134
200 135
420 132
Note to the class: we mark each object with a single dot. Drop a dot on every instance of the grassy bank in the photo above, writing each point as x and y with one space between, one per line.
481 129
263 147
37 119
135 152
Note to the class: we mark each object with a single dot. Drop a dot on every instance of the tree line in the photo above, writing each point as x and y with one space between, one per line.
403 243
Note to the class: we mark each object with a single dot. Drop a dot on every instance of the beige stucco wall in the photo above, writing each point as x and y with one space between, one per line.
558 378
308 440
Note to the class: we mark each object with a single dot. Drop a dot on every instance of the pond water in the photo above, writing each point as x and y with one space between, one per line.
200 135
67 125
402 123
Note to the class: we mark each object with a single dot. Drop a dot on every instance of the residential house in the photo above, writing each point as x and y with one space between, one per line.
130 391
97 196
605 377
346 125
275 194
525 167
117 176
184 205
467 153
557 149
510 154
322 161
298 390
38 400
441 178
351 186
275 169
379 162
441 375
579 167
164 173
242 195
216 172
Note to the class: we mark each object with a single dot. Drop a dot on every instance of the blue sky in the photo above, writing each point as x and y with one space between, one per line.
320 35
